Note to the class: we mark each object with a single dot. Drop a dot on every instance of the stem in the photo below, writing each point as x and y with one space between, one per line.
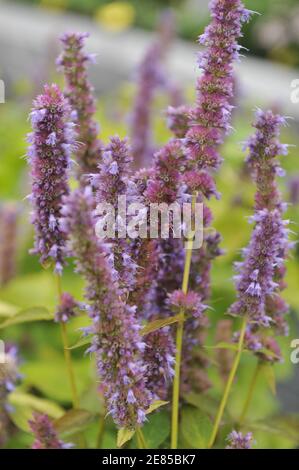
67 354
250 393
229 384
140 438
101 431
179 342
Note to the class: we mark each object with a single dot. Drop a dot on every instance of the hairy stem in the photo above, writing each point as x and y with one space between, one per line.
229 384
250 393
179 342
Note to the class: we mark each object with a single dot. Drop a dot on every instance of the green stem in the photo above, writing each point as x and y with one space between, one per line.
228 384
140 438
179 343
250 393
67 354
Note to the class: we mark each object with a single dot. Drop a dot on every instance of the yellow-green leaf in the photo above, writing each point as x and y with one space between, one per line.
124 435
81 342
73 421
28 315
155 405
160 323
7 310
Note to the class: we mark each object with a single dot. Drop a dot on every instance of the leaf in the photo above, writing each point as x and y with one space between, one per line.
155 405
84 341
73 421
269 374
160 323
24 404
224 345
28 315
124 435
196 427
203 402
156 430
7 310
286 426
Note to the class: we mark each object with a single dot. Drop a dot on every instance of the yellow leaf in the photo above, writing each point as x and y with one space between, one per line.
124 435
160 323
155 405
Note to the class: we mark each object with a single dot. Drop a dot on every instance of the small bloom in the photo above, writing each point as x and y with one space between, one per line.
45 436
67 309
237 440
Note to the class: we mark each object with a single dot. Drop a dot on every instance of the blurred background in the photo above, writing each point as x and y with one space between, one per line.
121 33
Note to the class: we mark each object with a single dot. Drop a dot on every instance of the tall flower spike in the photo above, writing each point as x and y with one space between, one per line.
73 61
117 342
9 376
264 147
8 241
51 144
150 77
45 436
113 182
255 279
210 118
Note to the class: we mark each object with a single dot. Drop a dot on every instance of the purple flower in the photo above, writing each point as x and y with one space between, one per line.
210 118
178 120
73 61
49 167
8 241
236 440
255 275
45 436
9 376
112 181
189 303
67 308
117 342
264 147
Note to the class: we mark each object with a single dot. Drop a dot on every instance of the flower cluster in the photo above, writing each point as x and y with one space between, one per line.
116 331
51 144
210 119
255 278
111 182
67 308
236 440
9 375
45 436
73 61
8 241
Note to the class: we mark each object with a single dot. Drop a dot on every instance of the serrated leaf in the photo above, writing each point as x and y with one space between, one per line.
7 310
73 421
24 404
81 342
196 427
269 374
124 435
155 405
28 315
160 323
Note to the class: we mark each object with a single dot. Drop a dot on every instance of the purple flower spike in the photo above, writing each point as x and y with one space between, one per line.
236 440
73 61
45 436
255 278
211 115
117 342
51 143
